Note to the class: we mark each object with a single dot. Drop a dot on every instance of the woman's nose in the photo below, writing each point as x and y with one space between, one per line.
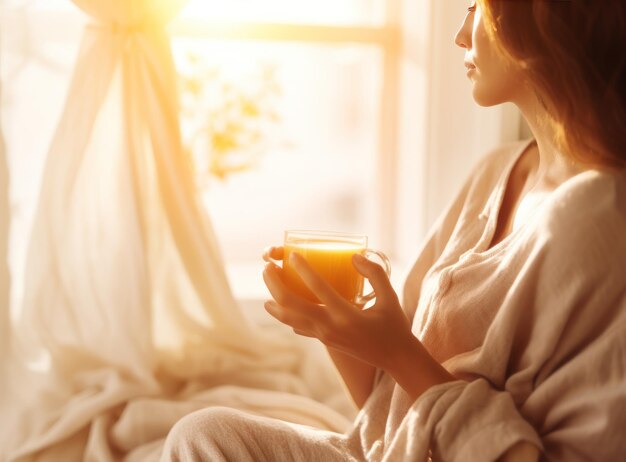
463 37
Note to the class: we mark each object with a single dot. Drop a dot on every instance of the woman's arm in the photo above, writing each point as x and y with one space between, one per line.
357 375
414 369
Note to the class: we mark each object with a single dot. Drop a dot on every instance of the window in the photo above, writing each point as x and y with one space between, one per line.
334 62
377 126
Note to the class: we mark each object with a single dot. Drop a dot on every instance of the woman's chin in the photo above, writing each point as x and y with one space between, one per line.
491 93
487 99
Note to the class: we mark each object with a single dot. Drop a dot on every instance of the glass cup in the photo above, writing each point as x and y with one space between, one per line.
330 255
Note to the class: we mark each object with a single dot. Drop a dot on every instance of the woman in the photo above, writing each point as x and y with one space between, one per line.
511 340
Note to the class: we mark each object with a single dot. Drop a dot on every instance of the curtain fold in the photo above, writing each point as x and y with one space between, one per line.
5 276
125 296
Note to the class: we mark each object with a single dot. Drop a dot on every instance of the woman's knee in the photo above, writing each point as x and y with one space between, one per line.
199 432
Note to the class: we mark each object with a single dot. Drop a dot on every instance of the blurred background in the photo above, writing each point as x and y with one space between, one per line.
346 115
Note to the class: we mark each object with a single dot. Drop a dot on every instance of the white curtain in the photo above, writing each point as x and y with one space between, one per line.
5 277
127 312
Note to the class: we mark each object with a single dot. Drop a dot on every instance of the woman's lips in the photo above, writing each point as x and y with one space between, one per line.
470 67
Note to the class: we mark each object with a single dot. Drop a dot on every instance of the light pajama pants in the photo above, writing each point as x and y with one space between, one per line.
224 434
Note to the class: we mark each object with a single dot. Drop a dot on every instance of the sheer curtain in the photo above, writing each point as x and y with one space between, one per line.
5 277
126 304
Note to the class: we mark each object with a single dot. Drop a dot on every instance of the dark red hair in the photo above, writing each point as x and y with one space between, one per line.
574 54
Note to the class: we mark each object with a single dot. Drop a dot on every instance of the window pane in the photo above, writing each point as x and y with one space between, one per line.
320 173
345 12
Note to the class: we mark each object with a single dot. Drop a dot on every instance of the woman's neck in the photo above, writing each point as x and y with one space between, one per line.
549 167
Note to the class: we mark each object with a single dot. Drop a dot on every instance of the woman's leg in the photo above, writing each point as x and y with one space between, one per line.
224 434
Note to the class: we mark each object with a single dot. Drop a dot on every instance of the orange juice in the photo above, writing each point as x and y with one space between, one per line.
332 260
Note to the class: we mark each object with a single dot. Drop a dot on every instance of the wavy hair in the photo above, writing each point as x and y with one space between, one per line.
574 54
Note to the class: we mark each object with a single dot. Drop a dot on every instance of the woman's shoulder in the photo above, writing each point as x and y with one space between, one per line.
590 201
585 221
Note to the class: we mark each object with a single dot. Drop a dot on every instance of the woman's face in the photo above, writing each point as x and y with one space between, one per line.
495 78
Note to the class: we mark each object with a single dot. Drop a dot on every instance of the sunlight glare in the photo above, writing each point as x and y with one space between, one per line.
368 12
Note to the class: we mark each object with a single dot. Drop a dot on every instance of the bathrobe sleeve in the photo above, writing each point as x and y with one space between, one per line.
552 368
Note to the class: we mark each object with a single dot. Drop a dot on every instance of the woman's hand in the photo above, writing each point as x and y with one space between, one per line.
373 335
378 335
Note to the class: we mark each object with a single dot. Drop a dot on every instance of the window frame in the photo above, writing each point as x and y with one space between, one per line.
387 37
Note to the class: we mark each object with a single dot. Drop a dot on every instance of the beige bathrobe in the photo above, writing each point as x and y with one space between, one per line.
534 328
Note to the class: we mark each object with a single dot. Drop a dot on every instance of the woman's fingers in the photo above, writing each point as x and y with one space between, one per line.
283 315
289 307
303 333
273 253
301 323
274 282
322 289
377 277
